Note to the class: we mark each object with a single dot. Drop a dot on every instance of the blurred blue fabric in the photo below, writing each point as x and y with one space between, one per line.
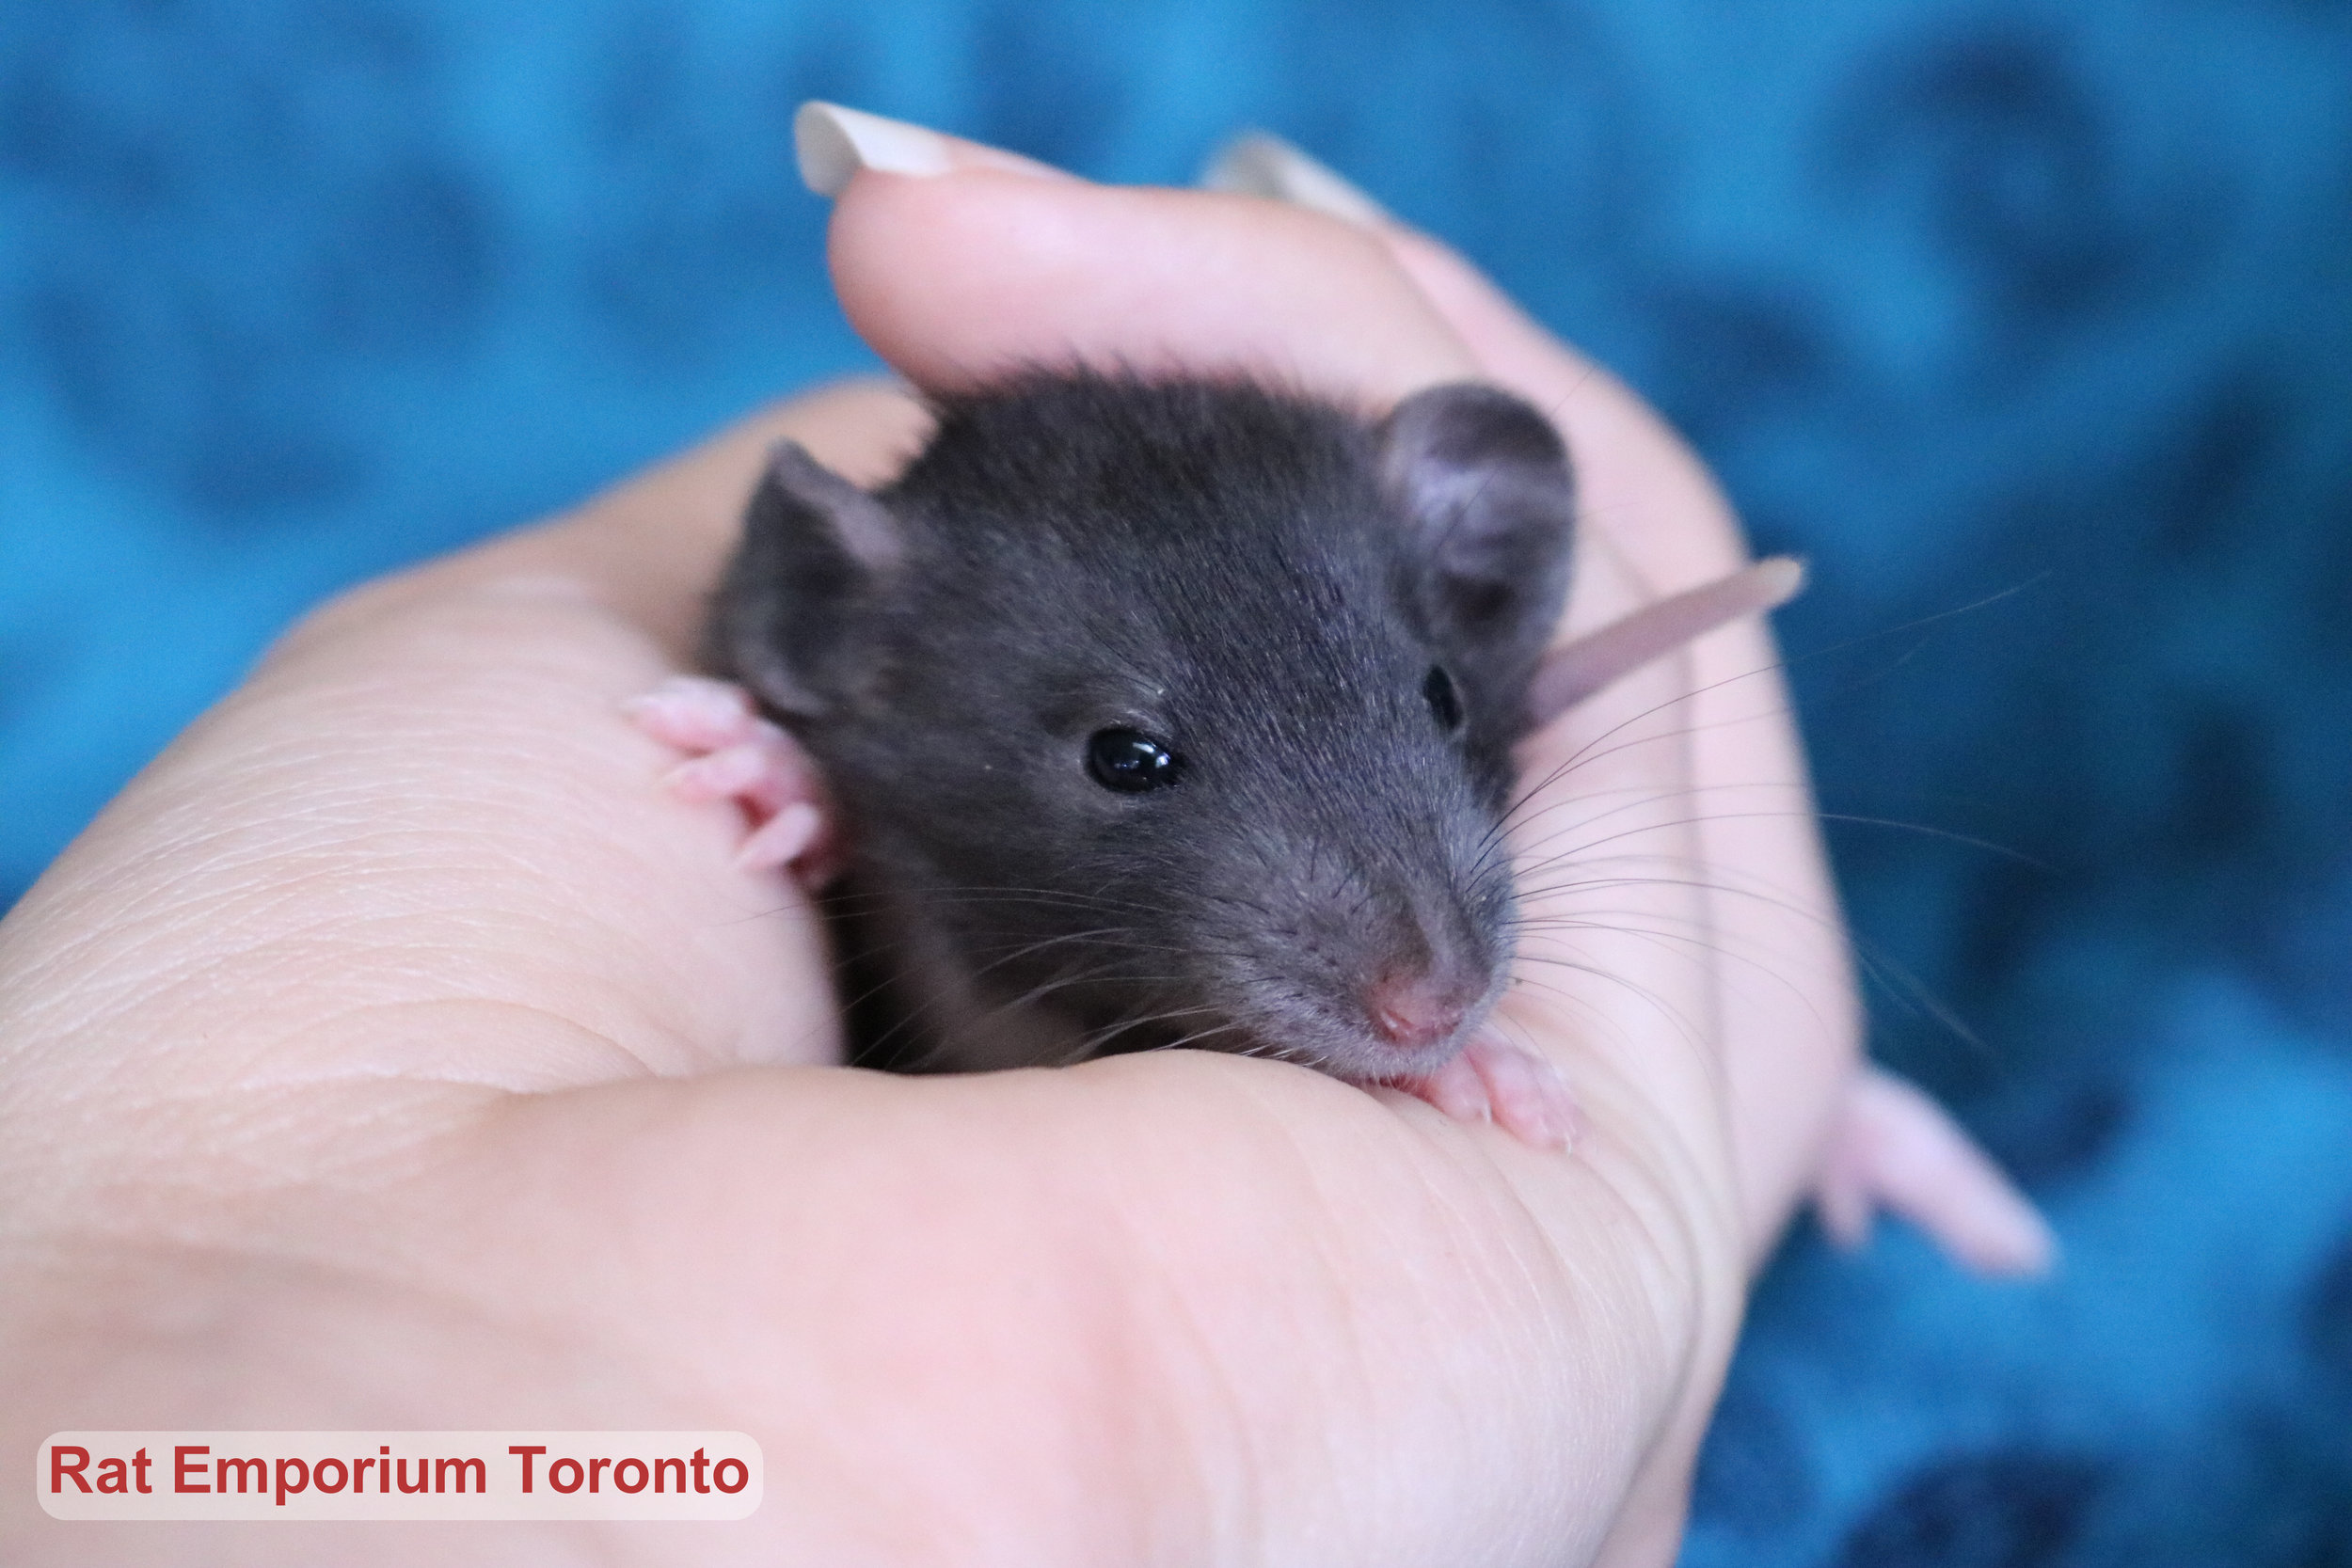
2032 324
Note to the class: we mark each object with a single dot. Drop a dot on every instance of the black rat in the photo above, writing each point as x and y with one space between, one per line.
1162 712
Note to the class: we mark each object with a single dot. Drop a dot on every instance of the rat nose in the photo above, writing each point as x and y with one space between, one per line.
1414 1010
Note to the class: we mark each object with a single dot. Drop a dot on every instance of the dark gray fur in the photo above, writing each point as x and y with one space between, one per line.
1261 580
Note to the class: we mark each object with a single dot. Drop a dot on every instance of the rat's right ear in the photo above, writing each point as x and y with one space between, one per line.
815 549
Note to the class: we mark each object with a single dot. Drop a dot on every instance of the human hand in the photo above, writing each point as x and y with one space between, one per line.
395 1054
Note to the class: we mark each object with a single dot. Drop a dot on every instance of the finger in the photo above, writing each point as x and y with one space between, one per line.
650 548
1614 945
1630 466
959 277
1618 951
655 546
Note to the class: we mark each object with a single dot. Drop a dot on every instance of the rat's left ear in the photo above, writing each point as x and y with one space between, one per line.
816 551
1484 480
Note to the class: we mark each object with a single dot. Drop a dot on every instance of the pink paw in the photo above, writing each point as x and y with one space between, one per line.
1516 1089
1892 1146
735 755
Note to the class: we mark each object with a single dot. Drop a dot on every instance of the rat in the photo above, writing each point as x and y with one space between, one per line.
1138 713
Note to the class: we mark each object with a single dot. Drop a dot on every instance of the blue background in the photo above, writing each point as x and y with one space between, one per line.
2048 306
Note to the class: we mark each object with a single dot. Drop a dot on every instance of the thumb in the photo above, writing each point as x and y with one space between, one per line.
976 266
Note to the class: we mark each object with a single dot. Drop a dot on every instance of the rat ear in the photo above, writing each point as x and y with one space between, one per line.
1484 480
814 548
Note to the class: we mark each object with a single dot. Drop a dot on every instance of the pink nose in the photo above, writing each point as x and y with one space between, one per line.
1412 1010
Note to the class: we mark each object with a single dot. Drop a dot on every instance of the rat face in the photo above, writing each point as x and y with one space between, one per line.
1170 713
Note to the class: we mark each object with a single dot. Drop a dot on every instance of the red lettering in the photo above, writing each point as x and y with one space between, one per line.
60 1472
318 1475
555 1467
424 1475
673 1465
719 1475
384 1471
442 1466
257 1469
620 1475
698 1471
301 1478
526 1452
360 1468
595 1468
138 1464
179 1467
113 1475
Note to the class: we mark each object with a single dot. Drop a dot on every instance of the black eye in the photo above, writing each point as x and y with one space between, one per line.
1444 701
1130 761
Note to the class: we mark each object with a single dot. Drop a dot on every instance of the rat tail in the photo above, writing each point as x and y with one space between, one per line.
1570 674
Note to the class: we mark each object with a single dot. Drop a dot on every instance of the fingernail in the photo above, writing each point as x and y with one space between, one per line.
833 143
1259 164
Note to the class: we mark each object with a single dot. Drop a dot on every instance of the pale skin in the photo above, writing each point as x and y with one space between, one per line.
395 1053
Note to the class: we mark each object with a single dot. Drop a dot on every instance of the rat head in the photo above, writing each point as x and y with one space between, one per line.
1176 712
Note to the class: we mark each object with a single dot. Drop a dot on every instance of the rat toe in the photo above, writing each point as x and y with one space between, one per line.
737 772
783 839
1531 1099
1516 1089
1455 1088
694 713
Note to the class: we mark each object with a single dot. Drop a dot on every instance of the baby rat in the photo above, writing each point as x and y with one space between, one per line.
1178 712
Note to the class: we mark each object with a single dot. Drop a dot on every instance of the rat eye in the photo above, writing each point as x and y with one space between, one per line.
1130 761
1444 701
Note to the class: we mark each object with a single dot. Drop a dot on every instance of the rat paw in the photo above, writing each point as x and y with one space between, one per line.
1518 1089
1891 1147
735 755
